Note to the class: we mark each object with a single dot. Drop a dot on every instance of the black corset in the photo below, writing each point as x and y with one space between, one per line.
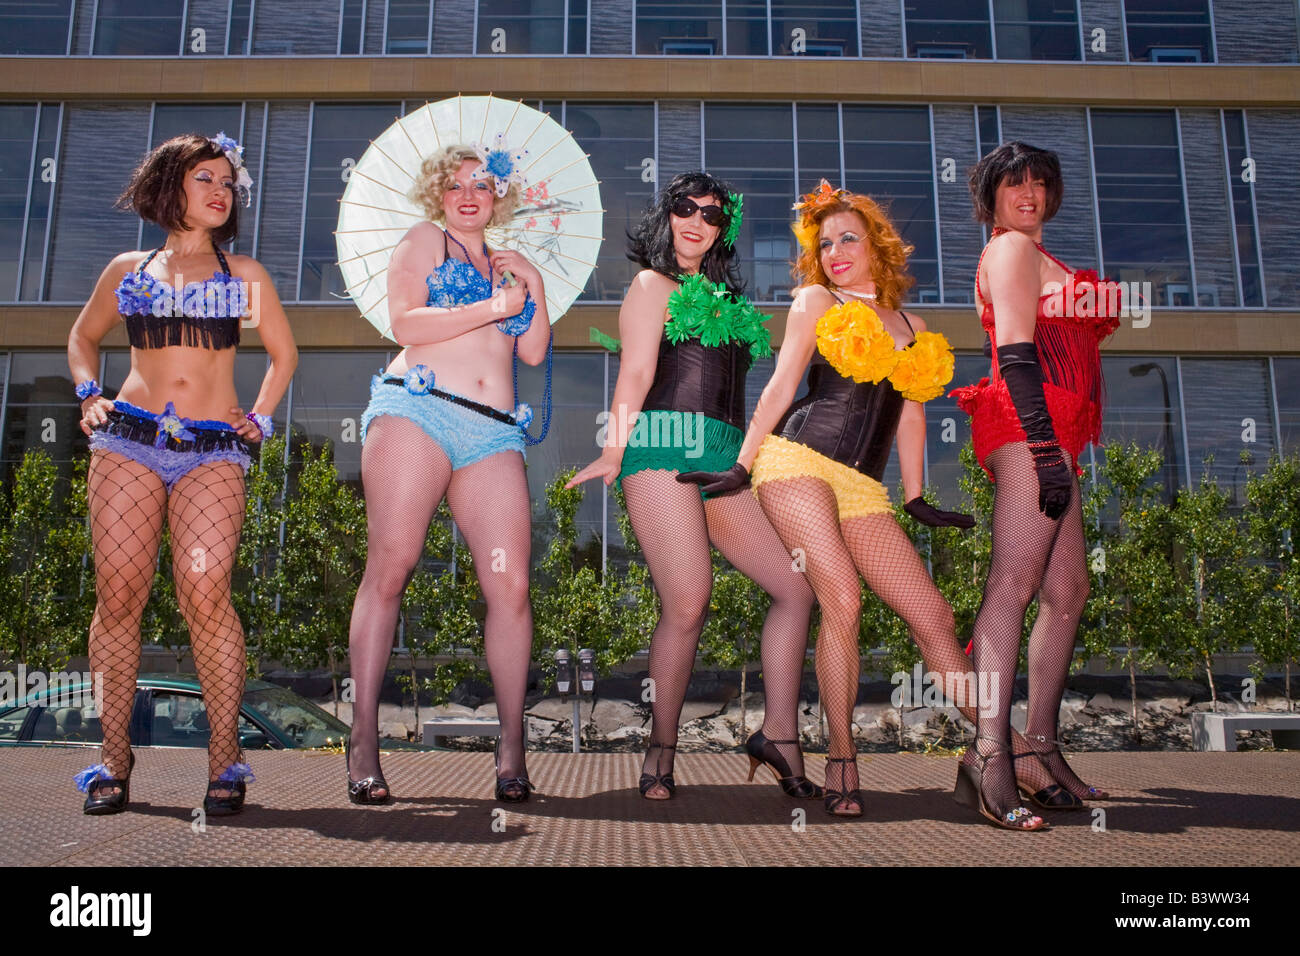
709 379
847 422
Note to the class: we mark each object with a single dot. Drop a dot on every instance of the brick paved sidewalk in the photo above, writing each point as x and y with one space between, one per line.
1175 809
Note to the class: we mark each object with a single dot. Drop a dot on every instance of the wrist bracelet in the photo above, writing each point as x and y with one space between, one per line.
88 388
263 423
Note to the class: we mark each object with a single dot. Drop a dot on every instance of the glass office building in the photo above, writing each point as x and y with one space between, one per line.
1175 121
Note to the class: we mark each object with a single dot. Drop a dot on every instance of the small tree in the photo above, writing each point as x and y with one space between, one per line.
258 579
442 608
1273 517
1211 559
323 557
732 631
45 593
1134 595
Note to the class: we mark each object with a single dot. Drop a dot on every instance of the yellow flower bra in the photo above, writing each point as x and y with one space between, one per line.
853 339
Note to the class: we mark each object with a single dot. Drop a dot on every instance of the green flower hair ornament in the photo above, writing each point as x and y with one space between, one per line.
734 210
708 311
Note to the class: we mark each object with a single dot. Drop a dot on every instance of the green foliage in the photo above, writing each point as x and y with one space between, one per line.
1272 518
319 568
573 605
46 583
258 579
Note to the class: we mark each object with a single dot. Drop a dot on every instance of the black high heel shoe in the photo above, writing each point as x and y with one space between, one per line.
233 780
363 791
763 752
510 789
841 803
969 792
90 781
1052 797
650 780
1060 770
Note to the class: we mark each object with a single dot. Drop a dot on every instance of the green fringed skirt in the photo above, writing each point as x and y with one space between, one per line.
680 442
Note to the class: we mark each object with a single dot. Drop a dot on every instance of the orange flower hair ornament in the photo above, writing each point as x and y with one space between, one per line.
806 229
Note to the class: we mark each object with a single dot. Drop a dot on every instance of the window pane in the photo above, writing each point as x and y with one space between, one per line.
1230 417
101 146
237 42
1171 31
989 138
35 27
577 27
1286 389
819 145
1142 408
1243 208
138 27
663 26
620 138
17 124
531 26
1274 136
887 156
340 132
181 720
751 147
408 26
350 30
281 29
747 28
44 181
1140 202
830 28
948 28
76 723
1036 29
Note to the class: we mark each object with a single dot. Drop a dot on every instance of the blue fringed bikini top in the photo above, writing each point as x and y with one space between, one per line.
204 314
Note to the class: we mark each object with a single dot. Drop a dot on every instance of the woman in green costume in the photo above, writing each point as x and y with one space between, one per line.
688 338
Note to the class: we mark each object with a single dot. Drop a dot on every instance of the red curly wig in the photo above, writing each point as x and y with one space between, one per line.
888 250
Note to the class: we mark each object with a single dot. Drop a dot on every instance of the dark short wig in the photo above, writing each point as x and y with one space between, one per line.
650 242
157 188
1010 163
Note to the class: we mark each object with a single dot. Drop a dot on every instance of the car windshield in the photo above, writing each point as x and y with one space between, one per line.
300 720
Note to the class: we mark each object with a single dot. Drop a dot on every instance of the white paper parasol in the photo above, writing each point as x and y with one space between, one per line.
558 225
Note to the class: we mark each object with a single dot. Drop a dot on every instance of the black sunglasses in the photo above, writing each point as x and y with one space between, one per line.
685 208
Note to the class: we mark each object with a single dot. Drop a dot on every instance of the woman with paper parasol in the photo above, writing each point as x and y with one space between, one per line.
436 426
688 338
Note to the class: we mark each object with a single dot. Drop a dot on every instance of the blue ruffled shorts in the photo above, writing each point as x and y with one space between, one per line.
465 435
168 445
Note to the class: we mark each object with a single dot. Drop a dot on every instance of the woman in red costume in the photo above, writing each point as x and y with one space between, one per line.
1030 423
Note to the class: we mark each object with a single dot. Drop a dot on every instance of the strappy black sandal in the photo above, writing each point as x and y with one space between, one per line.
840 803
651 780
363 791
969 792
510 789
1053 796
1094 793
94 779
763 752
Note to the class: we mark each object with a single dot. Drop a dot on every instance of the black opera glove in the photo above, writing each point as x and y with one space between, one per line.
1018 364
927 514
717 482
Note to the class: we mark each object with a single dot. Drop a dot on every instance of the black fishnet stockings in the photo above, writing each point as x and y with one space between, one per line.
1032 556
205 515
405 475
674 528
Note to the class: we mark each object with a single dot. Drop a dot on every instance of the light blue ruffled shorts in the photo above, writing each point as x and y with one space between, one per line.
465 435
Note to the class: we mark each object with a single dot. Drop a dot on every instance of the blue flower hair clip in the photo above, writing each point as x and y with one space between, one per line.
501 164
234 154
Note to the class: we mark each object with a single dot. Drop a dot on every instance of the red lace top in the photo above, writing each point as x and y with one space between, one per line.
1070 325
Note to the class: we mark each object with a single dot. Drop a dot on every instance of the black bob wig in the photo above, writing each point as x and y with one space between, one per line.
1010 163
650 242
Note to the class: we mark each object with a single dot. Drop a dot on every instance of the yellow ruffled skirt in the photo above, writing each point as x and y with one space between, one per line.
856 495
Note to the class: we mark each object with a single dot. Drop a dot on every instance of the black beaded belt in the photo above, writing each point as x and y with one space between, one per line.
473 406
